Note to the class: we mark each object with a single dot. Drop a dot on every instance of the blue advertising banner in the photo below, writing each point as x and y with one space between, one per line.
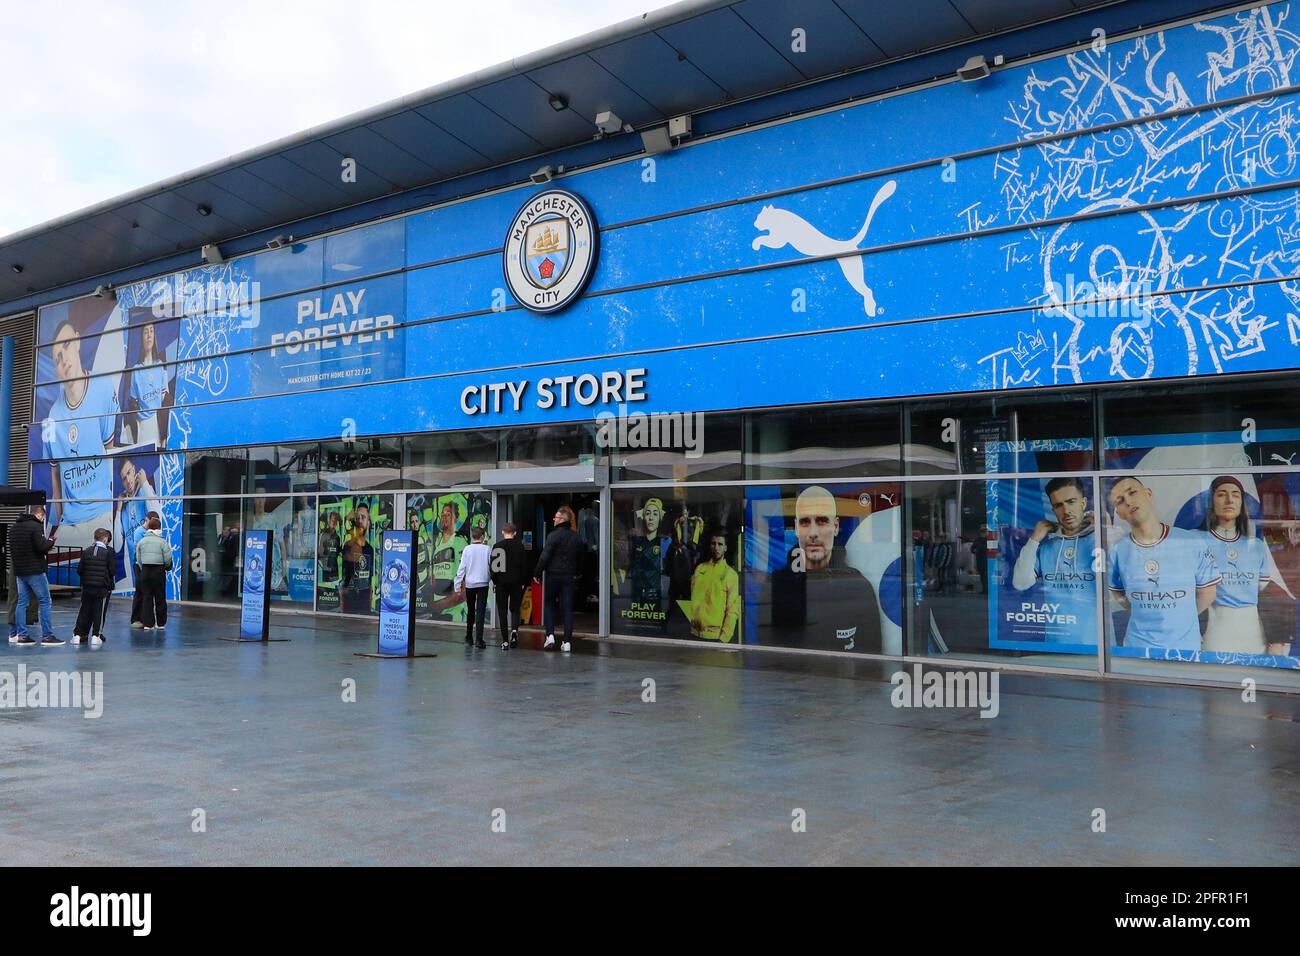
255 609
396 623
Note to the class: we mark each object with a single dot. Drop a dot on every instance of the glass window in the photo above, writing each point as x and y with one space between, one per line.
676 568
292 521
1003 568
823 442
1202 426
1202 575
288 269
1003 434
350 529
677 447
365 251
823 567
541 446
449 458
283 468
443 523
218 472
212 528
361 465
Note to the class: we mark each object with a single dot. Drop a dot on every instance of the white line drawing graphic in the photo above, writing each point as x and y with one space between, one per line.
780 227
1229 242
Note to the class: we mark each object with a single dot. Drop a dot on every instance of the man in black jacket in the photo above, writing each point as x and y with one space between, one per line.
561 560
507 569
29 547
97 573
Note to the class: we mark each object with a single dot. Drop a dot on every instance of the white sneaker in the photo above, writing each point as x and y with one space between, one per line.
550 642
565 647
96 640
137 626
13 638
78 639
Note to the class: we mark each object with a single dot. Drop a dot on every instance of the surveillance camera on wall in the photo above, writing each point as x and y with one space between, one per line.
212 254
279 242
543 175
104 292
977 68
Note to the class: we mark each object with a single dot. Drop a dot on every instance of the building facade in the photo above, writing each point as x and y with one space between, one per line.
998 370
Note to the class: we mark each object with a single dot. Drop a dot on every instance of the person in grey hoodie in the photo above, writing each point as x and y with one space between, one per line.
153 559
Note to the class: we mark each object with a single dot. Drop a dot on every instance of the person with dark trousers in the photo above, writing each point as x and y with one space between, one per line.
137 597
29 546
508 577
97 573
472 577
561 561
153 558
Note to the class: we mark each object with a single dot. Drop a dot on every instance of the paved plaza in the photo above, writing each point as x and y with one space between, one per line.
563 753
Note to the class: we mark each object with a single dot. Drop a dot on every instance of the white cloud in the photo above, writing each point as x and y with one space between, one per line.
106 98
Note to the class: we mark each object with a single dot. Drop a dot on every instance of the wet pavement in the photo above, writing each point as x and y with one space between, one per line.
525 757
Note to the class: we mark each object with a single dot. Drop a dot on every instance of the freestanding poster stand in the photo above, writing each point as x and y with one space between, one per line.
255 594
397 570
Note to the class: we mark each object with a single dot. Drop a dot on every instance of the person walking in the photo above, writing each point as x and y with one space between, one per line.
153 557
508 579
97 573
472 577
137 597
560 561
29 546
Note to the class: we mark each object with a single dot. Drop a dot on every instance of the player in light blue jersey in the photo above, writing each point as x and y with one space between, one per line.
148 391
1243 559
76 436
138 502
1164 576
1058 555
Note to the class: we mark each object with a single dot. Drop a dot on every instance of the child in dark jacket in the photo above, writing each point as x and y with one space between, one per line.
97 572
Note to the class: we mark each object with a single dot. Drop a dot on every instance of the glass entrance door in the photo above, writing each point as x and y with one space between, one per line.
532 513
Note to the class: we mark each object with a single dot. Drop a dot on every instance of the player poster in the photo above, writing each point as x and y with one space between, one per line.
442 524
823 567
676 565
349 529
1194 571
1042 582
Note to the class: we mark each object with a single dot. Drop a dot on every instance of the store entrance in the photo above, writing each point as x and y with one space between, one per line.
532 514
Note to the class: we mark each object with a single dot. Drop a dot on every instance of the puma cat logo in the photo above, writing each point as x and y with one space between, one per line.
780 227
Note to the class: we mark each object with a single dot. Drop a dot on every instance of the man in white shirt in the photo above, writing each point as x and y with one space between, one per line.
472 578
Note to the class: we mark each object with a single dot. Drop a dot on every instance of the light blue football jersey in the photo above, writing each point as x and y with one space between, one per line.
1160 582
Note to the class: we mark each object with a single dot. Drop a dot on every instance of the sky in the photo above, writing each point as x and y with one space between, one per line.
106 97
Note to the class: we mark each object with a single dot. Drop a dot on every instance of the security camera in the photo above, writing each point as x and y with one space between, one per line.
543 175
977 68
212 254
279 242
104 292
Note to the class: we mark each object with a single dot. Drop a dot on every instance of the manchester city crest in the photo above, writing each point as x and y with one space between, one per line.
550 251
1232 554
1152 567
72 433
